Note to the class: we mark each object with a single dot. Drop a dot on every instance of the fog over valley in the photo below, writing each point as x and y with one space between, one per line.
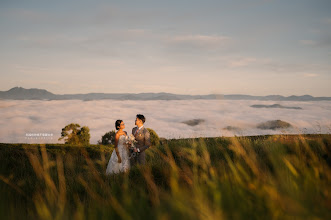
170 119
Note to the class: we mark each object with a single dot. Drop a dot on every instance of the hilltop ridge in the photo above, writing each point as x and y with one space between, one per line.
20 93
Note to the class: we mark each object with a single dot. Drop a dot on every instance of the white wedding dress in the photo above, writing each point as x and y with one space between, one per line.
113 165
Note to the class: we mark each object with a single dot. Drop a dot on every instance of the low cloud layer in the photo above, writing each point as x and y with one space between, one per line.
165 117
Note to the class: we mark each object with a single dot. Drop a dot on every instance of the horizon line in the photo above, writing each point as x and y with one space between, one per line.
164 93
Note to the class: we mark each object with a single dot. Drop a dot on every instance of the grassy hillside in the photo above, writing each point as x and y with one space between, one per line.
264 177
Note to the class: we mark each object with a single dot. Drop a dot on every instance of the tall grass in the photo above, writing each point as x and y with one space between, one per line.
268 177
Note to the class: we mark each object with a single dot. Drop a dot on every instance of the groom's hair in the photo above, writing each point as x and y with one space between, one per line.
118 124
141 117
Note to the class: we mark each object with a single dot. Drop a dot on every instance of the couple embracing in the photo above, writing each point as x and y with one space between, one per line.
129 151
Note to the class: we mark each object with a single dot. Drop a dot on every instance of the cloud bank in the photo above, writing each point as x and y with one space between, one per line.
165 117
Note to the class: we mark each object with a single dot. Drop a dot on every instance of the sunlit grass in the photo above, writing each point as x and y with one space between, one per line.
267 177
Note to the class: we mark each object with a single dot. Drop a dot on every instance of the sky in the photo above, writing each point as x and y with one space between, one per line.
255 47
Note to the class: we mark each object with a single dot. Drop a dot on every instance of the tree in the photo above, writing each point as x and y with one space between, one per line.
155 140
84 135
73 135
108 138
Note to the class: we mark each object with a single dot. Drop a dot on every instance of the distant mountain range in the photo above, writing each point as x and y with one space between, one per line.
274 106
19 93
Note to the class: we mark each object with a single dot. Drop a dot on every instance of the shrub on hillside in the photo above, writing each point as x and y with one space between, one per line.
73 135
108 138
155 140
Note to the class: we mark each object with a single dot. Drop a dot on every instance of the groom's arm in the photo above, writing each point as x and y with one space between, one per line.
147 142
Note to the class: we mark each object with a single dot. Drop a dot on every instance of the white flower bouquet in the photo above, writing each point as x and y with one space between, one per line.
131 141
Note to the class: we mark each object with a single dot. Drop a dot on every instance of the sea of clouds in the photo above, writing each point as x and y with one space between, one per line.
22 121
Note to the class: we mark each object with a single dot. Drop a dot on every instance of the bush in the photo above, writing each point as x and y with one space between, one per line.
108 138
155 140
73 135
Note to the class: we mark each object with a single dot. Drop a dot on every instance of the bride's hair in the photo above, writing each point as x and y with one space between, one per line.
118 124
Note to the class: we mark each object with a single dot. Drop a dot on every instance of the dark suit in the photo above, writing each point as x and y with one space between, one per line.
143 142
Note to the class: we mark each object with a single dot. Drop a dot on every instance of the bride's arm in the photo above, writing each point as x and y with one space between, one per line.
117 136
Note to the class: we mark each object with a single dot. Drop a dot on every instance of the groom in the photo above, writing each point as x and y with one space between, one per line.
143 139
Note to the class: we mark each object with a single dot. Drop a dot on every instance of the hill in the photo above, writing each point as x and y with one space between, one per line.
19 93
260 177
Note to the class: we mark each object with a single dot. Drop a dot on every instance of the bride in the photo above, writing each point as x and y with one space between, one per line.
119 160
